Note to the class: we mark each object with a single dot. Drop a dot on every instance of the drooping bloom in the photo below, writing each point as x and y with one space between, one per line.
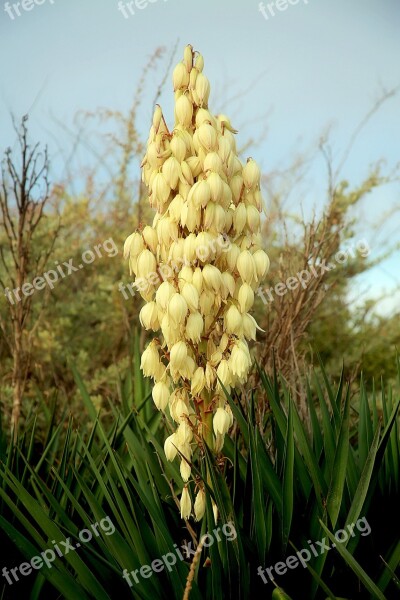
185 503
200 505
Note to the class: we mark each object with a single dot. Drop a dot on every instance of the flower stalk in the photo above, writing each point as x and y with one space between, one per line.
197 265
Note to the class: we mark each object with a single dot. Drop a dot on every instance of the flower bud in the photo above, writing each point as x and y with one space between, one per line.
169 330
221 421
200 505
175 208
181 411
215 358
184 433
227 197
232 256
206 302
233 321
192 78
194 327
199 62
178 148
184 111
230 414
154 157
225 123
209 215
180 77
246 298
230 166
146 263
188 57
246 267
203 115
240 361
194 165
205 248
161 395
178 355
251 174
219 220
191 295
198 279
212 277
157 118
150 360
224 374
133 245
201 194
224 149
185 504
253 219
236 185
147 292
188 369
239 218
258 200
190 247
171 170
202 89
187 176
215 511
160 189
191 216
167 230
261 262
198 382
185 275
211 375
170 449
148 316
151 238
229 283
249 327
164 294
216 187
231 141
177 250
177 308
213 162
185 470
207 137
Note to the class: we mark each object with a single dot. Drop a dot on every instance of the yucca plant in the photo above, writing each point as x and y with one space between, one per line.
197 267
281 486
52 492
289 486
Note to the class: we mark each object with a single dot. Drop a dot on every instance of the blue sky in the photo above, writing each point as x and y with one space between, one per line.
312 65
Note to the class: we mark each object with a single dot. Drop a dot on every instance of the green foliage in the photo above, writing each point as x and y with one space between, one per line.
283 483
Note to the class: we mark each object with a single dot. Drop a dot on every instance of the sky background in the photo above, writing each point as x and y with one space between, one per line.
315 65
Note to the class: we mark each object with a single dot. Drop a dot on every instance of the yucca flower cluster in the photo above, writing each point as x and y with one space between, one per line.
197 267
